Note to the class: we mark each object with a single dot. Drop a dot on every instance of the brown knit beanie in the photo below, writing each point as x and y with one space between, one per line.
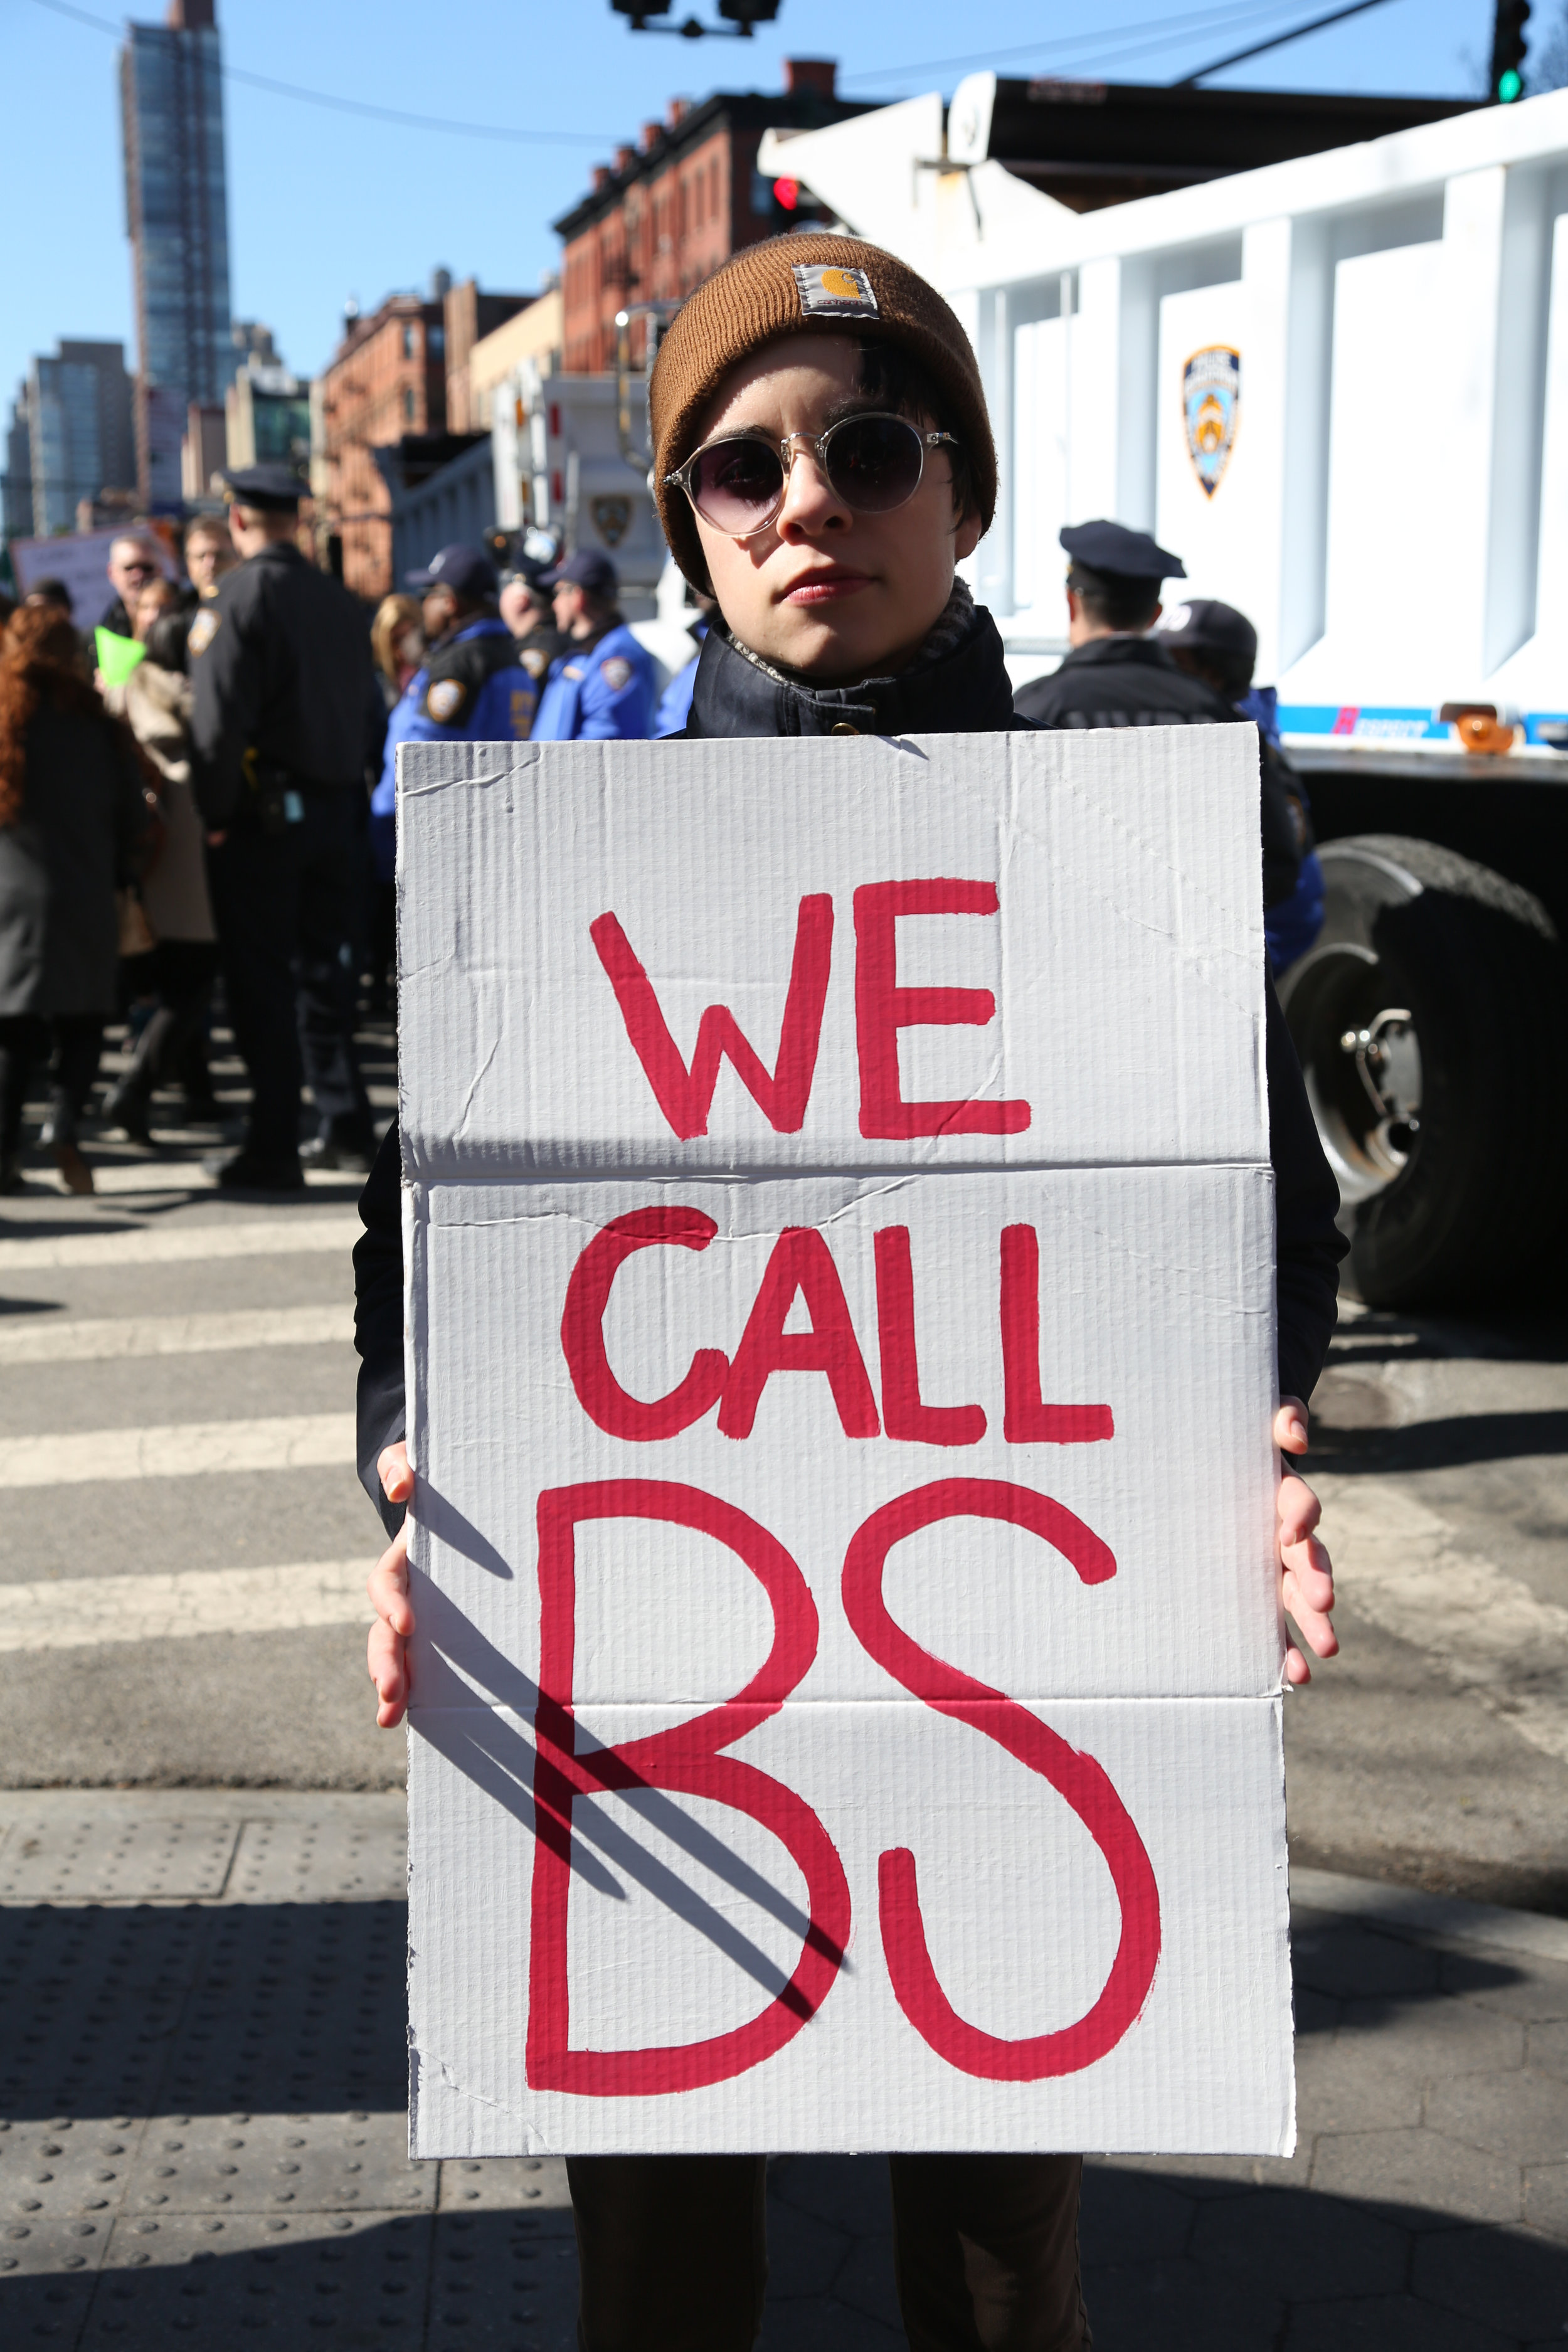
794 285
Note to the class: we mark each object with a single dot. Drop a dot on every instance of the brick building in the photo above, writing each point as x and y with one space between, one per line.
470 316
387 381
671 209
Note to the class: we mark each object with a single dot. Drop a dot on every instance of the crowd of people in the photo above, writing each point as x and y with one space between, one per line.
206 785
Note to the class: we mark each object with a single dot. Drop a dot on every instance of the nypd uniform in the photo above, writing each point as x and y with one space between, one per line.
474 688
1130 680
284 707
600 688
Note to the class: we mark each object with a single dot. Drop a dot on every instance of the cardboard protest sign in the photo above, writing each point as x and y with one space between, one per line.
840 1256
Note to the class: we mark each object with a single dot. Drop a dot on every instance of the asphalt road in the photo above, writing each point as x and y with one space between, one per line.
177 1378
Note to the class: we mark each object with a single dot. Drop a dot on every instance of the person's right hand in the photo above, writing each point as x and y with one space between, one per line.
387 1652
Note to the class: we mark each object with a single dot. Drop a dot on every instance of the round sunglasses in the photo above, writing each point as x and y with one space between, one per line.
873 463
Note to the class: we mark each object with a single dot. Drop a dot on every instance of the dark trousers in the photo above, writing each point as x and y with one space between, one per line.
288 908
178 973
25 1040
673 2255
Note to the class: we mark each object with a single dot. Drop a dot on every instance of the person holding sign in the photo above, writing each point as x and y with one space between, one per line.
823 461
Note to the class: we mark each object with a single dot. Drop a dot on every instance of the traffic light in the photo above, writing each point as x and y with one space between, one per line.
637 10
747 13
1509 45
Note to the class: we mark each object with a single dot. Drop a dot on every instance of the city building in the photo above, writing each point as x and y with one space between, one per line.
470 317
18 483
534 335
671 210
176 214
79 443
203 451
268 406
384 385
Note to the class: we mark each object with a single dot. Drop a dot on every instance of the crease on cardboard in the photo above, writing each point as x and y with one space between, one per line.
476 1082
533 2140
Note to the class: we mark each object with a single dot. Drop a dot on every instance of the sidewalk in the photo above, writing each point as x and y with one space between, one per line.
202 2125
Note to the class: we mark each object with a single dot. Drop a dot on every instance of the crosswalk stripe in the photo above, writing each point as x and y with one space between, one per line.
116 1176
34 1340
185 1449
82 1612
288 1234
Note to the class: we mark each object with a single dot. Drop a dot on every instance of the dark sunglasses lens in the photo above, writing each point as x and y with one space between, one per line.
736 485
874 463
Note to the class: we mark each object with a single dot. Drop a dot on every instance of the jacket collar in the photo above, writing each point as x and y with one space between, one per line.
964 691
1146 652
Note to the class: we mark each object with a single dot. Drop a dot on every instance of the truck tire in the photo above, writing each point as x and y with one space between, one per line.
1428 1020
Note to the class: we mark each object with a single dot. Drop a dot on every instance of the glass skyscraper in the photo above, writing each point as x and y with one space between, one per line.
176 208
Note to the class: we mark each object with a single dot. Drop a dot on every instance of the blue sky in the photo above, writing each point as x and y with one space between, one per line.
324 206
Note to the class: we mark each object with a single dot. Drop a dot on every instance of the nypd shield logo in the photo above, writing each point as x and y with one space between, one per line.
1211 411
445 700
611 518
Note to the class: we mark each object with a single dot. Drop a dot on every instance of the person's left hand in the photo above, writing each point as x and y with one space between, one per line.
1306 1571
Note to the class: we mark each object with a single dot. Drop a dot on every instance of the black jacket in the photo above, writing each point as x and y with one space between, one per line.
281 665
964 692
1128 681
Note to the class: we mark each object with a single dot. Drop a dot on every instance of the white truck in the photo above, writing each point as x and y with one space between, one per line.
570 457
1338 388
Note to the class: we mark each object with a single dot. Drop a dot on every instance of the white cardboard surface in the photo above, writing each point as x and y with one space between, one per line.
1014 1622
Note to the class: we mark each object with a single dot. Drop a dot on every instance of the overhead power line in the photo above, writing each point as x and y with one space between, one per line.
358 106
1237 57
1110 42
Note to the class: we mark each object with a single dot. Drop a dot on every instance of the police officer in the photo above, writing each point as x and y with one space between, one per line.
472 688
285 699
1115 673
601 687
529 613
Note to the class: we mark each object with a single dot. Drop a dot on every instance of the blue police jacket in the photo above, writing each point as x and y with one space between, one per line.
675 706
600 693
472 689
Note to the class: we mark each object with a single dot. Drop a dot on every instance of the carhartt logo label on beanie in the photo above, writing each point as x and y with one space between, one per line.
828 288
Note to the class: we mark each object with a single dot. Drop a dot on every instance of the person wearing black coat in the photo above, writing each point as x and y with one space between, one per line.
73 819
1115 675
829 543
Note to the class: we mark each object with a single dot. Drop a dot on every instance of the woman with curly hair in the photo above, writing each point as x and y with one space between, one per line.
73 818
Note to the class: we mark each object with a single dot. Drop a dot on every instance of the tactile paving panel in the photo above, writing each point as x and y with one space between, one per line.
336 1858
302 2008
503 2280
247 2163
48 2275
112 1859
501 2183
67 2169
89 2001
350 2279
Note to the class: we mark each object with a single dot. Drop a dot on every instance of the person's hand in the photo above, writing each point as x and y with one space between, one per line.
388 1584
216 840
1306 1571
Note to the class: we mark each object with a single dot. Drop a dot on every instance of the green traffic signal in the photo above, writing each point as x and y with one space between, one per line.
1510 87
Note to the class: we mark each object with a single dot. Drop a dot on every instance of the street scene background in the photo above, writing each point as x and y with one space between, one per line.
203 2055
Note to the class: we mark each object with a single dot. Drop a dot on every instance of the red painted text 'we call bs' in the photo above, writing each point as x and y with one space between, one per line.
690 1759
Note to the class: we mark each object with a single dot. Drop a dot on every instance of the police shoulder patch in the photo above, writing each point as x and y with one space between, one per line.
535 660
204 629
616 672
444 700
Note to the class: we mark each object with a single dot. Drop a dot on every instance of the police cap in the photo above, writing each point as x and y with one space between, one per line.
1112 547
1206 626
587 569
466 570
267 486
